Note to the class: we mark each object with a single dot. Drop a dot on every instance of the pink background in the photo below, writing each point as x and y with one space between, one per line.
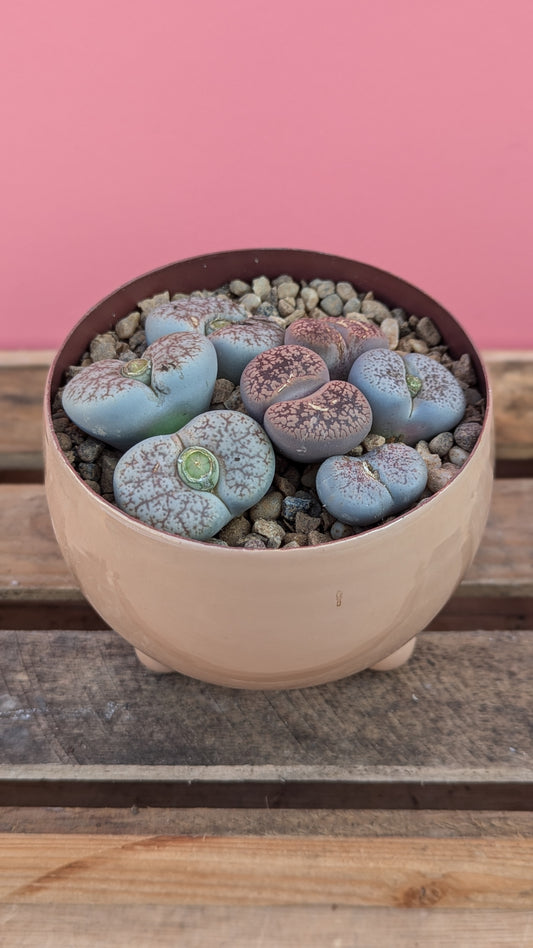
397 133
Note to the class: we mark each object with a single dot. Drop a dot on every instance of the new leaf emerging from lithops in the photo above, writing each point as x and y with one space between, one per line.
123 403
365 490
413 397
193 482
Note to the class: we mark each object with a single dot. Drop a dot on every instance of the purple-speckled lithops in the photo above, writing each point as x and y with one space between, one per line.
280 374
333 420
413 397
192 314
122 403
237 344
194 482
364 490
338 341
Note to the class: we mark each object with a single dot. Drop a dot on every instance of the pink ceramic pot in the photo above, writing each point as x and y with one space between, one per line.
272 618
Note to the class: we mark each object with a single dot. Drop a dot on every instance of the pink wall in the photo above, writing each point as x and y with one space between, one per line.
134 133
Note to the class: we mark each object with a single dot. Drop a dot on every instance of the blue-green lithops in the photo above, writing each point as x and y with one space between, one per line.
193 482
365 490
122 403
413 397
203 314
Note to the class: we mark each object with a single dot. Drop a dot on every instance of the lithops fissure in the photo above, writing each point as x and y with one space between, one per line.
193 482
192 314
413 397
124 403
333 420
365 490
280 374
338 341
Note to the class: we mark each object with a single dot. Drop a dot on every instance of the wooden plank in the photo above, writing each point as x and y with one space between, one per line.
215 821
329 926
32 568
23 374
453 727
511 378
244 871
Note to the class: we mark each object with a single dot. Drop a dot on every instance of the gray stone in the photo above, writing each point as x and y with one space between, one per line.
353 305
427 331
458 456
345 291
466 434
286 306
222 391
271 530
103 347
304 523
236 531
292 505
440 477
239 287
375 310
464 370
325 288
391 328
261 287
310 298
288 289
268 508
441 443
89 450
254 542
250 302
146 306
332 305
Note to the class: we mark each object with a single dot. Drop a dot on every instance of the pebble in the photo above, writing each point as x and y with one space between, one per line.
254 542
268 310
316 538
103 347
458 456
239 287
293 505
89 450
332 305
286 306
284 485
234 401
339 530
391 328
250 301
138 341
441 443
283 278
345 291
464 370
325 288
373 441
222 391
128 325
376 310
108 463
466 434
353 305
268 508
236 531
304 523
417 345
89 471
432 461
438 478
428 331
146 306
261 288
310 298
65 443
270 529
286 290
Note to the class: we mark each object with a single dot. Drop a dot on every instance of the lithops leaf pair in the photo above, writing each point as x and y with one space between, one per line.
413 397
236 336
122 403
365 490
338 341
193 482
308 416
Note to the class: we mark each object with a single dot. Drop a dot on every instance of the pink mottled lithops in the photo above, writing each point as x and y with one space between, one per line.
276 375
124 402
333 420
237 344
365 490
338 341
413 397
193 482
192 314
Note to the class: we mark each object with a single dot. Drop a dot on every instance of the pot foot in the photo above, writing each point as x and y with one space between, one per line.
152 665
397 658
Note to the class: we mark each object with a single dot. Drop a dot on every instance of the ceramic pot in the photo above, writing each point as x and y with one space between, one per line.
268 618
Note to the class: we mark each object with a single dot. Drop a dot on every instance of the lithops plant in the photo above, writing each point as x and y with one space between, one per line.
193 482
192 314
236 336
123 403
413 397
338 341
364 490
279 374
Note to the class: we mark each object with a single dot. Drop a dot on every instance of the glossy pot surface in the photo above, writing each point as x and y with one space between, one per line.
268 618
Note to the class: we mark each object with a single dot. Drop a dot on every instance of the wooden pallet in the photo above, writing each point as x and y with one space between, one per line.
161 811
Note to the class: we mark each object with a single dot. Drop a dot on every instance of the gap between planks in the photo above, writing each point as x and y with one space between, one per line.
243 871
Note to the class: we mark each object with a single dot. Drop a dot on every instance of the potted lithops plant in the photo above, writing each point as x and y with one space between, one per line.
223 405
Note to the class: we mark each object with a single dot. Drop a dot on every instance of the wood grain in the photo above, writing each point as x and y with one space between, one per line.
511 378
328 926
387 872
